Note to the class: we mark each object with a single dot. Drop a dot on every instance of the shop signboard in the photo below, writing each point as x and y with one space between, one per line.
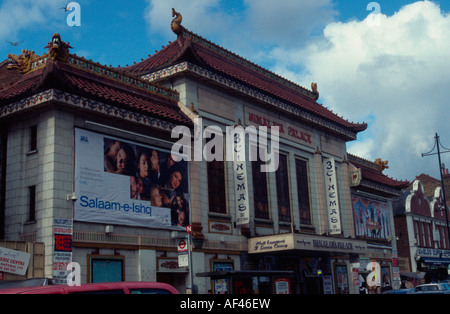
271 243
14 262
305 242
62 256
287 130
122 182
282 286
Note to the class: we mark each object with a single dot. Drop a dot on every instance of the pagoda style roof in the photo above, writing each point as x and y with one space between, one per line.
28 74
192 48
373 177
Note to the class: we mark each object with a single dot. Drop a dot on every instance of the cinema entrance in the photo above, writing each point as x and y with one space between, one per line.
318 264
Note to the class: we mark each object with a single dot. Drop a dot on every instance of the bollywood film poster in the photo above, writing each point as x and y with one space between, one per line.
125 183
371 218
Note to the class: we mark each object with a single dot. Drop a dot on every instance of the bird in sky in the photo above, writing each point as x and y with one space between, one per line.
67 8
15 44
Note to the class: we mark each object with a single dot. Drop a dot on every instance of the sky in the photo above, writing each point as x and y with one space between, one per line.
383 62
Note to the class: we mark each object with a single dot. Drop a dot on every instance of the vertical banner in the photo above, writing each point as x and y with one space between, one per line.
63 234
240 178
332 200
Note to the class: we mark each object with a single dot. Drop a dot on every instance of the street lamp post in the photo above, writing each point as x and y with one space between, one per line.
437 145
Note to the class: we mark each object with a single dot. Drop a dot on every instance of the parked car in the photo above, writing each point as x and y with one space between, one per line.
31 282
432 288
98 288
399 291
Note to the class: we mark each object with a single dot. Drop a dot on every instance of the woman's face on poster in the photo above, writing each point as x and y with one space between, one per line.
143 166
133 187
121 159
139 186
114 148
180 202
175 179
156 198
154 160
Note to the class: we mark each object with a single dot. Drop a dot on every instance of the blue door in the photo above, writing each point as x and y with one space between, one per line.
106 270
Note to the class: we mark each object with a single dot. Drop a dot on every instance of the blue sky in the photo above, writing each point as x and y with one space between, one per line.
394 75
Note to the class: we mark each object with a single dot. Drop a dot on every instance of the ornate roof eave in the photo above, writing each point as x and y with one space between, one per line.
192 69
75 75
377 188
78 102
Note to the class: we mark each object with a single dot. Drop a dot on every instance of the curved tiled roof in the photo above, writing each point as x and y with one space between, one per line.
212 56
371 172
86 78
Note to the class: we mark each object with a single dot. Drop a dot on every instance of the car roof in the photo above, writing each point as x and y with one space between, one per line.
91 287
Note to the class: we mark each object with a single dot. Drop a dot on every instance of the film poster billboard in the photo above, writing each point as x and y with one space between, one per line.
125 183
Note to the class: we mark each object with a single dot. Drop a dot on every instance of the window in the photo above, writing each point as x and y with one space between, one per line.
100 292
416 232
216 187
149 291
303 191
216 183
443 237
260 197
429 234
282 179
33 138
32 203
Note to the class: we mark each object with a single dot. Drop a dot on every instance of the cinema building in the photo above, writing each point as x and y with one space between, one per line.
74 138
298 232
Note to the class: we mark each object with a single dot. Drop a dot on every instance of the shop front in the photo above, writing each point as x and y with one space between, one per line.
319 264
434 263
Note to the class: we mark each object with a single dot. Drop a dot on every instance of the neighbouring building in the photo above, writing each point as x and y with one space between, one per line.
421 224
373 195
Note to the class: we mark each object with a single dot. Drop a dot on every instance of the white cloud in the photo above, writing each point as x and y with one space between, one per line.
256 24
16 16
399 72
287 22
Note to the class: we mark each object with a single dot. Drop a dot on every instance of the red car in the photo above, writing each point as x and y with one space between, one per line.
98 288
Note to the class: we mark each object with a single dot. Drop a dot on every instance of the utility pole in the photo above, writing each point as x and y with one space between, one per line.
437 145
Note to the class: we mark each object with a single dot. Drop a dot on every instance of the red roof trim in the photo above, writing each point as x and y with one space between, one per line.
240 69
371 172
89 79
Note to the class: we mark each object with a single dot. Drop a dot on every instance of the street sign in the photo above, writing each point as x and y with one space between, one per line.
183 260
189 229
182 246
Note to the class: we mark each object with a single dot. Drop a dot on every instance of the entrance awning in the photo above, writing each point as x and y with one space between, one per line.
435 261
419 275
246 273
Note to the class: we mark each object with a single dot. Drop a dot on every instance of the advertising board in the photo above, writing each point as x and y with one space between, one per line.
122 182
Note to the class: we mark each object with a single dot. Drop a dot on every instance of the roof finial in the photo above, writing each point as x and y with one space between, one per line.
382 165
315 90
176 22
57 49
